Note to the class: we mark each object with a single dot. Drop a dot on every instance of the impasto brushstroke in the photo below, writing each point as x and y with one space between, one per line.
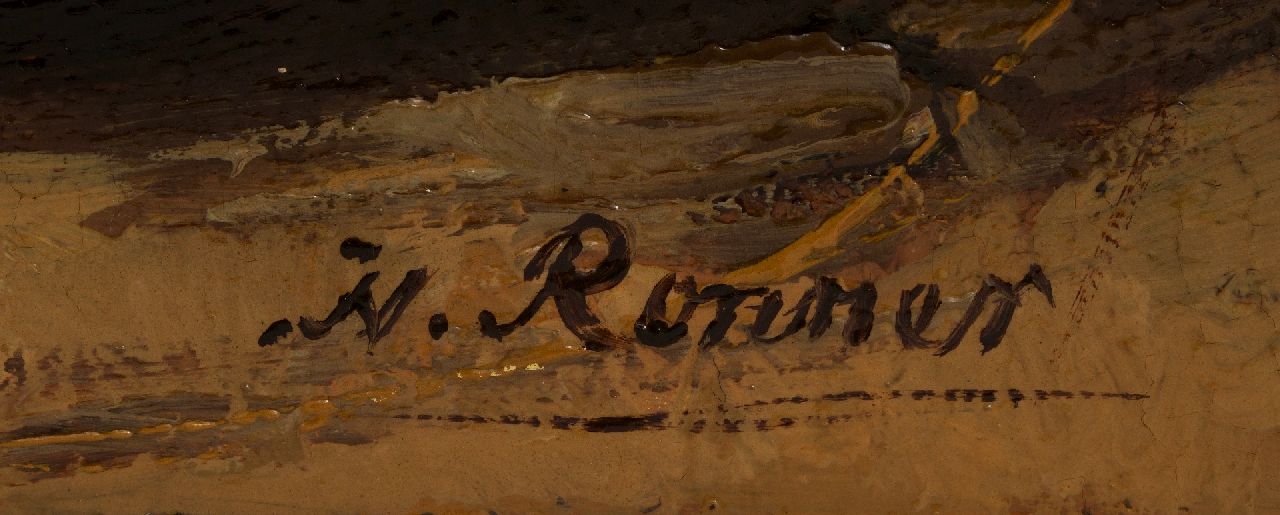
759 256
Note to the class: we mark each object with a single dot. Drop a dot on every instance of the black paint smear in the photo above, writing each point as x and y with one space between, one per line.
1016 396
1127 396
962 394
654 329
769 308
17 366
661 420
568 287
438 325
274 332
971 394
356 248
1007 299
625 424
377 322
797 399
727 299
1045 395
852 394
559 422
359 300
861 301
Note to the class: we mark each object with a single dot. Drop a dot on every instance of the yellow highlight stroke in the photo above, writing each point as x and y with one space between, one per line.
198 425
808 250
966 106
1037 29
1043 23
250 417
530 359
91 436
821 243
318 411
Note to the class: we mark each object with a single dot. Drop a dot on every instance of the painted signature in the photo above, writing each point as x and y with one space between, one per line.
568 287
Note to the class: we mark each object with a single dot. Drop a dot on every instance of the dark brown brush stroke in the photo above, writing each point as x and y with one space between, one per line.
568 287
63 458
356 248
73 79
1007 299
951 394
377 321
146 77
659 420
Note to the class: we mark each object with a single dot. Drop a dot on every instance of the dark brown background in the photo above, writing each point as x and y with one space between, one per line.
78 74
